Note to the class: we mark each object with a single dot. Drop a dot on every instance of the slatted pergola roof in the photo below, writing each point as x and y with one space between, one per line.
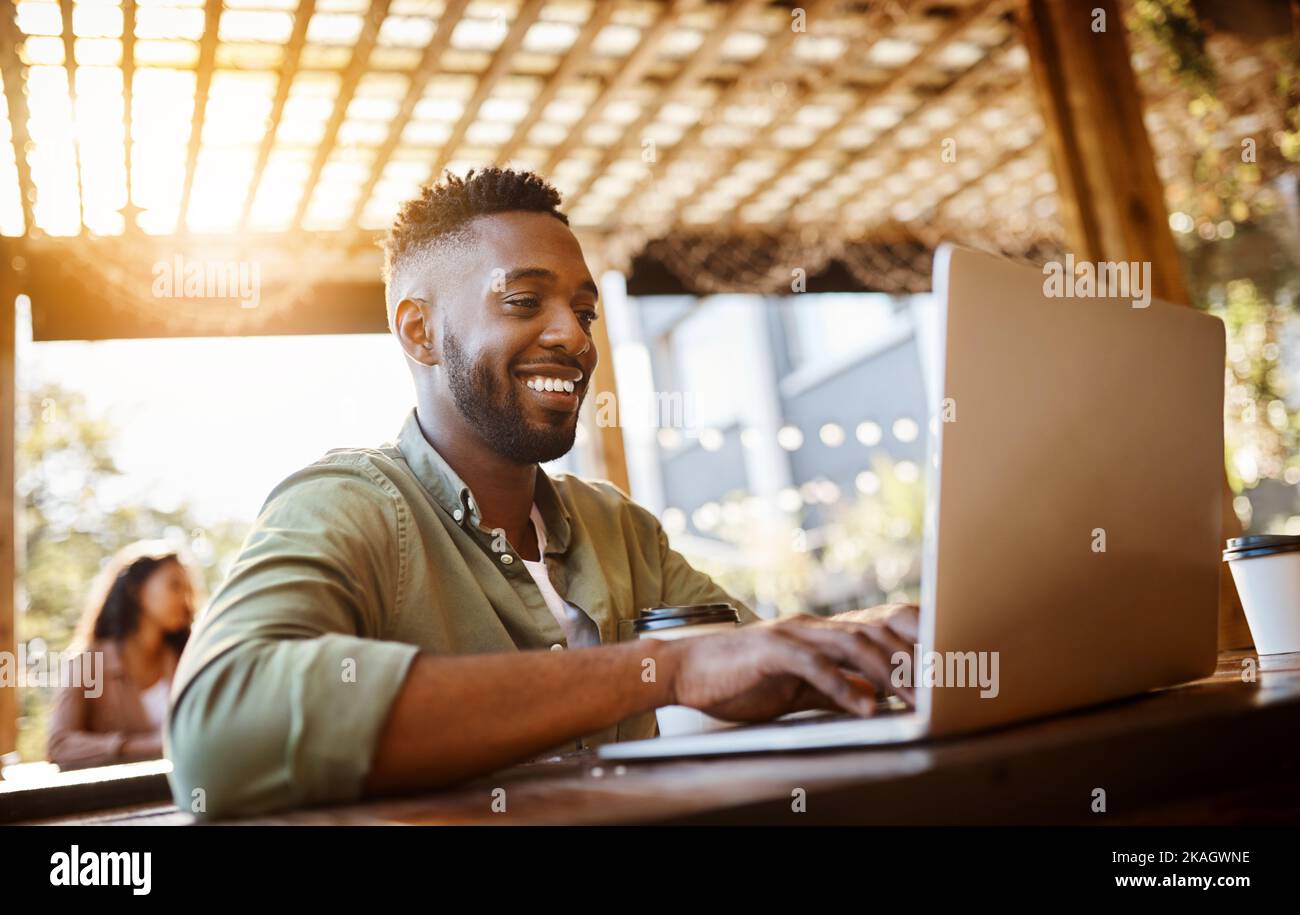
322 115
708 129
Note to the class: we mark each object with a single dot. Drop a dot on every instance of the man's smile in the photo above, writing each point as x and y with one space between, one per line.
556 388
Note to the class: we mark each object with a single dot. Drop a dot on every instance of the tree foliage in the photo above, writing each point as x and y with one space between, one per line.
76 510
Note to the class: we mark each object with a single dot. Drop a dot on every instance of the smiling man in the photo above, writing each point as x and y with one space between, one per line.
430 610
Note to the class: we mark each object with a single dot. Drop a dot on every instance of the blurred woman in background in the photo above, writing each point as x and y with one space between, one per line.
139 615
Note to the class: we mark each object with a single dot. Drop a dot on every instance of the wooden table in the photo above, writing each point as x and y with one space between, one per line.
1219 750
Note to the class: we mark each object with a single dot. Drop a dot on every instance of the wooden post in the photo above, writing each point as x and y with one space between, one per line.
608 439
1112 202
8 445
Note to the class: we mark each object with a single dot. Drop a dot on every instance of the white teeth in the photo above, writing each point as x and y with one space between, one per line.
538 383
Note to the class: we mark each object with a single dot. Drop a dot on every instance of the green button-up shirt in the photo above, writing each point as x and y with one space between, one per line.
355 565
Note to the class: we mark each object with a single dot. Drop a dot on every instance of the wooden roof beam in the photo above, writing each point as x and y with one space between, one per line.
1006 158
705 56
789 107
129 224
631 71
288 70
773 63
568 68
975 78
977 10
70 67
19 136
203 83
356 69
430 63
1001 160
499 67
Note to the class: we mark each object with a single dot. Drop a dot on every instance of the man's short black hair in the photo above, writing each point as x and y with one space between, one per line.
444 209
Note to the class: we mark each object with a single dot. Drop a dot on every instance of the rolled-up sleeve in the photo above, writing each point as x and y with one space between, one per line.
285 684
685 584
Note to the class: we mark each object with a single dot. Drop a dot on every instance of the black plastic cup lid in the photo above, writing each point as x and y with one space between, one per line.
655 618
1260 545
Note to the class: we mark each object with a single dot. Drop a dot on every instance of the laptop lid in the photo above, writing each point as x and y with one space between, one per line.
1072 546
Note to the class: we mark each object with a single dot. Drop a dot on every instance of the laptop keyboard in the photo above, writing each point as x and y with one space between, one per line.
889 705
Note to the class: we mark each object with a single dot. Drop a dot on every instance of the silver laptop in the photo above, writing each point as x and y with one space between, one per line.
1072 538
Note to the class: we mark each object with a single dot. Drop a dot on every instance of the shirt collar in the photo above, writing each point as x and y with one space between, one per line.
452 493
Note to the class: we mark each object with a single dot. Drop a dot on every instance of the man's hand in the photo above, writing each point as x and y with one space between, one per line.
795 663
903 619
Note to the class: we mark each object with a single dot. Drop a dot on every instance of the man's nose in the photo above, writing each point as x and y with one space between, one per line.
565 331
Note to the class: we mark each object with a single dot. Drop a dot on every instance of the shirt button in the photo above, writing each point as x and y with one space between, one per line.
507 558
557 647
458 514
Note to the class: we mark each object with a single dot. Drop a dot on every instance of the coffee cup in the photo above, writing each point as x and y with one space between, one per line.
683 622
1266 570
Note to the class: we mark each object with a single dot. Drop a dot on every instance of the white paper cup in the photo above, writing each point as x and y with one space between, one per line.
1266 570
682 623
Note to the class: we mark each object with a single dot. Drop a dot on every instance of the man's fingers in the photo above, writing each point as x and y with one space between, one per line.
806 662
893 643
907 623
809 698
852 646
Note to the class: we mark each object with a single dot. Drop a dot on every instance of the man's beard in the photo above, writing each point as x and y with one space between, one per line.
496 412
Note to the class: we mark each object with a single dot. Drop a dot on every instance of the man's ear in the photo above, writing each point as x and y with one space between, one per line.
413 326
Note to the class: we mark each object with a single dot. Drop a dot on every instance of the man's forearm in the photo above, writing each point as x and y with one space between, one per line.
458 717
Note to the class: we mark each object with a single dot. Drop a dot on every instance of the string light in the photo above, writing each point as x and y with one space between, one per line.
905 429
711 439
832 435
868 433
790 438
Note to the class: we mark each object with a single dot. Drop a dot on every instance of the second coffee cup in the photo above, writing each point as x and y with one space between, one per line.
681 622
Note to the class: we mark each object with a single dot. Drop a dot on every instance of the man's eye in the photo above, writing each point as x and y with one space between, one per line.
526 301
588 318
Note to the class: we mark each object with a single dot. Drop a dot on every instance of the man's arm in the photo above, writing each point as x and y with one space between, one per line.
457 717
282 689
289 696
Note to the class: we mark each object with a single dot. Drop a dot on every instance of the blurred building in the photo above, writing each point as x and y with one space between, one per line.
741 407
